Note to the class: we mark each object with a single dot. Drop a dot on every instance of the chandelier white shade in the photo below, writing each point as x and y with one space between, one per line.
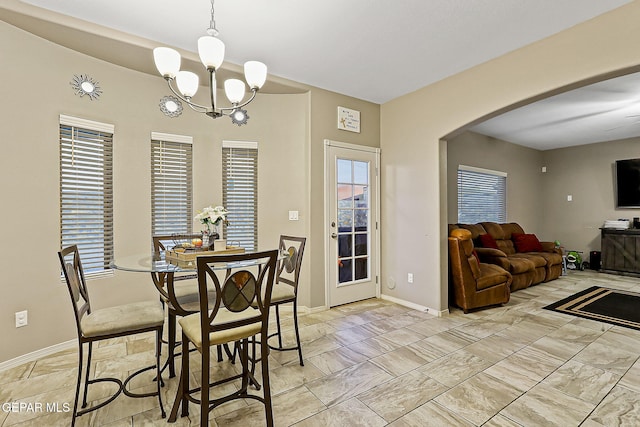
211 51
234 89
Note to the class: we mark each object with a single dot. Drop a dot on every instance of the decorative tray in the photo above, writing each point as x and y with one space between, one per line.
186 257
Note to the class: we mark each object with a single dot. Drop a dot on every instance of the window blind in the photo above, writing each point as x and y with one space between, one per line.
240 192
481 195
171 184
86 191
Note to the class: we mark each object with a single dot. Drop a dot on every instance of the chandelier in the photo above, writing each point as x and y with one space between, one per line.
211 51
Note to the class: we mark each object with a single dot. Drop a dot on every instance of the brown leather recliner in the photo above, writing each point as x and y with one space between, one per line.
475 284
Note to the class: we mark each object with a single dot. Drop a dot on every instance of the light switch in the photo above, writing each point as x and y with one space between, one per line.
569 198
293 215
544 169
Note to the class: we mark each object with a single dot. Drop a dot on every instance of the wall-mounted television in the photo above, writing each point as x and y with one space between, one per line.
628 183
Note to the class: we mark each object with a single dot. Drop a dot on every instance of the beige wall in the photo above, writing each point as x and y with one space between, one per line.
413 212
525 201
36 90
587 173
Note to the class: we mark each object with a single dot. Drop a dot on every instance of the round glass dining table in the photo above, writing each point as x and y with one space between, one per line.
165 273
156 263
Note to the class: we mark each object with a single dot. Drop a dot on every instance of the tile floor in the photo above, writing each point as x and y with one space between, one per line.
374 363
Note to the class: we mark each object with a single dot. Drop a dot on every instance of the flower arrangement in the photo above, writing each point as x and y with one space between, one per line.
212 216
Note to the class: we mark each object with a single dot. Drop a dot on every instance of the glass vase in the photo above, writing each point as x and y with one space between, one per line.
205 239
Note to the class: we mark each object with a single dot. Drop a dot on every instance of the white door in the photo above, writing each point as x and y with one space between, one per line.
351 202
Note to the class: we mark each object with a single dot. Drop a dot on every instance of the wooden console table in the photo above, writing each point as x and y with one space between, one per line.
620 251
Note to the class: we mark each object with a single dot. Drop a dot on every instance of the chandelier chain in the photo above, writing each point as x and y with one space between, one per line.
212 31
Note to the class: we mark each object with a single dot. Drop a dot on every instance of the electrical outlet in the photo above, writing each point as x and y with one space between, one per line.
293 215
410 277
22 319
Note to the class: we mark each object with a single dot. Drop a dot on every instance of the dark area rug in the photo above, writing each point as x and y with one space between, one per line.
613 306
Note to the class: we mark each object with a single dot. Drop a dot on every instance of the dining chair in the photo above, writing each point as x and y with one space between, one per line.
285 289
112 322
240 280
180 295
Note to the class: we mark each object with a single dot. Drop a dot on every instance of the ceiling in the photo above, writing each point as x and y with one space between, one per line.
604 111
368 49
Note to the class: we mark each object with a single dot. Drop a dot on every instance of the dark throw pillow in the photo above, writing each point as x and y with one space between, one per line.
488 241
526 242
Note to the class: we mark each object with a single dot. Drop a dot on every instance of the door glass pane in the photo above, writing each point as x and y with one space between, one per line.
344 271
362 219
360 172
362 271
345 196
361 196
362 244
345 220
353 220
344 245
344 170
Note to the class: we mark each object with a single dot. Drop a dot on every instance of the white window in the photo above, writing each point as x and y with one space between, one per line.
171 184
86 191
482 195
240 192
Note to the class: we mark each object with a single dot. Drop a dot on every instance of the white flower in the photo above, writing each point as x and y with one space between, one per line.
210 215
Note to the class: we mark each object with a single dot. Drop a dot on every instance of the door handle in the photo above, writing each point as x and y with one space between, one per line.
334 236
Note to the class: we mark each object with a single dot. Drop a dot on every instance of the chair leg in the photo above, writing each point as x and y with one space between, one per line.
75 401
266 386
86 380
159 370
204 390
172 345
244 360
185 374
295 325
278 325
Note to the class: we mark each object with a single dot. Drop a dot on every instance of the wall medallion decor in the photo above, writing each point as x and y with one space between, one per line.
85 85
171 106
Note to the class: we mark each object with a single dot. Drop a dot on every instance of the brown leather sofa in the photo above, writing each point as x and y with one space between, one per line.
527 268
475 284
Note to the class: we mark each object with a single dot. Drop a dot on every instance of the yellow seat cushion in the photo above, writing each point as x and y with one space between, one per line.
282 292
191 327
122 318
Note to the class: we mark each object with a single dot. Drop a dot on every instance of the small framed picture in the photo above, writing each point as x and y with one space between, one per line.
348 119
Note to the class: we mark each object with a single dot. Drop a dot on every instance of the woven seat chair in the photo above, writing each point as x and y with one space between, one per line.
112 322
181 297
285 289
239 281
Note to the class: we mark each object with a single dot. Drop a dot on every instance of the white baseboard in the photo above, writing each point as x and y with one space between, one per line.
38 354
415 306
288 308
